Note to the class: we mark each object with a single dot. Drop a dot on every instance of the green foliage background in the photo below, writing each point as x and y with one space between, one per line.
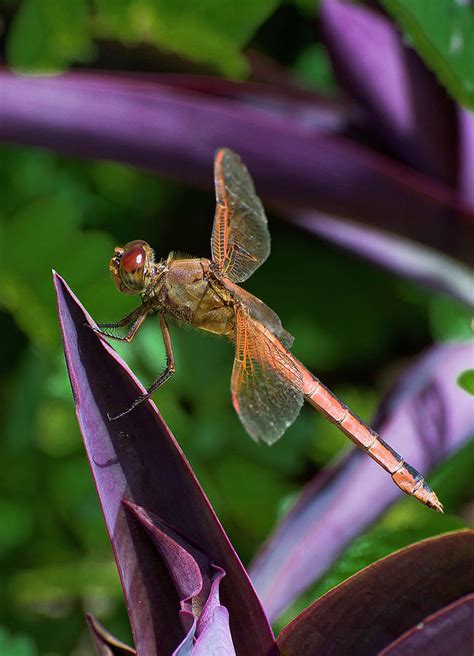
66 214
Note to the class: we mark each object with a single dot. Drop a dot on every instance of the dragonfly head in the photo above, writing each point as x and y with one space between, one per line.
132 267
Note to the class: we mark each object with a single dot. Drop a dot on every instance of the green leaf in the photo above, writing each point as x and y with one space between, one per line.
309 8
210 32
313 68
59 583
16 645
26 289
450 320
250 507
17 525
441 32
46 36
466 381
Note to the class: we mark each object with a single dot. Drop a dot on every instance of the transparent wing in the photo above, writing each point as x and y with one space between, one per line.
240 240
267 388
260 311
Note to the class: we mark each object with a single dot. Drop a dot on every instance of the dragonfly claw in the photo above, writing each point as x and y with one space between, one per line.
94 329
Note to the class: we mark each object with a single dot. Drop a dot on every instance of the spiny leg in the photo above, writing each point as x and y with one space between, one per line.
162 378
135 318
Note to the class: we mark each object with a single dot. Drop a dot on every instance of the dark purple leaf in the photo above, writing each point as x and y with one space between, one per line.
404 257
448 631
105 643
371 609
425 418
137 459
197 582
175 132
466 156
393 86
188 570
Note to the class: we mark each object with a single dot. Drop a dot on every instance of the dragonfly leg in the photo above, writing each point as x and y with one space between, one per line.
135 319
162 378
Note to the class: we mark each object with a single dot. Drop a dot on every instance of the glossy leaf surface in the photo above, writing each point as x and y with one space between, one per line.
368 611
448 631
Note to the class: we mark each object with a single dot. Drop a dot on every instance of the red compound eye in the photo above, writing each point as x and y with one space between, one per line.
133 259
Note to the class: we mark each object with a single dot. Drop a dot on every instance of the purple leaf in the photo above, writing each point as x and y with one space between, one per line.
372 608
214 640
105 643
466 156
394 87
186 647
448 631
137 459
303 107
197 582
407 258
188 568
425 418
175 133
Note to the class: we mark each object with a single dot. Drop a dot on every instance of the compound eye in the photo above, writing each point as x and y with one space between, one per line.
133 260
131 267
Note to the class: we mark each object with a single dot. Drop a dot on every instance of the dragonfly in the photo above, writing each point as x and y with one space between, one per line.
268 384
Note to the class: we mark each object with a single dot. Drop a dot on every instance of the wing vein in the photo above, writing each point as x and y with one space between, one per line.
240 238
267 388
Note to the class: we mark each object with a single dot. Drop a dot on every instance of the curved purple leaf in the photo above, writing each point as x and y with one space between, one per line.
448 631
394 86
137 459
214 641
305 108
176 132
105 643
189 569
425 418
407 258
372 608
197 583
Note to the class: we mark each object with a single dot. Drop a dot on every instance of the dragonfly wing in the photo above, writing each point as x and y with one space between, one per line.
267 388
260 311
240 240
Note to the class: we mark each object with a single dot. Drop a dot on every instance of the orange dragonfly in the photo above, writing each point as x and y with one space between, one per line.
269 385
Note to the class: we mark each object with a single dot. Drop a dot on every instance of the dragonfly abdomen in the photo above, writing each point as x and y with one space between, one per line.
406 477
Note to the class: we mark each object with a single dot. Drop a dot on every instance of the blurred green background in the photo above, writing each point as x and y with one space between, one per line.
61 213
